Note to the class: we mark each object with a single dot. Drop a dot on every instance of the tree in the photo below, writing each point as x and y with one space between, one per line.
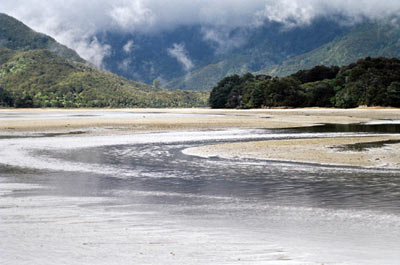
284 92
5 98
234 98
257 95
156 84
219 94
393 94
318 73
23 101
319 94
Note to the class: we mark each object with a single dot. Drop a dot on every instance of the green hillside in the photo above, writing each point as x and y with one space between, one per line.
369 39
39 78
15 35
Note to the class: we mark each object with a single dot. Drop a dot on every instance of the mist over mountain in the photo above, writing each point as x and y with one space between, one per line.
193 44
264 47
36 71
14 35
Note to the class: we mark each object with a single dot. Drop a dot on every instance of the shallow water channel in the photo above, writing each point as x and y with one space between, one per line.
137 199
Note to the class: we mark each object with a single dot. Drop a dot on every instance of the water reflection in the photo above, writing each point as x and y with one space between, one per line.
356 127
163 168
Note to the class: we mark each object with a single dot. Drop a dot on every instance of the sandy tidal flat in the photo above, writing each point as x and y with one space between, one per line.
181 119
128 121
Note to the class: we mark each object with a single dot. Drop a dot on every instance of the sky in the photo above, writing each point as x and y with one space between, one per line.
76 22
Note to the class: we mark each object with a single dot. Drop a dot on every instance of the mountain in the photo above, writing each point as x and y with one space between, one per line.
146 57
16 36
36 71
209 53
196 57
266 46
274 49
373 39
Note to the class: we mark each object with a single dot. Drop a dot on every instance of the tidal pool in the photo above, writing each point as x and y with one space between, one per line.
137 199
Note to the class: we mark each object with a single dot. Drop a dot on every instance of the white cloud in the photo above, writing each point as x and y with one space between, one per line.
223 38
128 46
129 15
92 50
179 52
300 12
75 22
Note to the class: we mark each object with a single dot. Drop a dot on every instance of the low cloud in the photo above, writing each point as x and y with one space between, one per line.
75 22
91 50
223 38
302 12
130 15
179 52
128 46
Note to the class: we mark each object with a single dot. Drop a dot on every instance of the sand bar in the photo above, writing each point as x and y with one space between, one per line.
328 151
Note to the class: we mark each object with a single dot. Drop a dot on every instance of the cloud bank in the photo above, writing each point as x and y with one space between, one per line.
75 22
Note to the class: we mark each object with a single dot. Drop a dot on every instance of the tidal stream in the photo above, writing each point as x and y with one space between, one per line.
137 199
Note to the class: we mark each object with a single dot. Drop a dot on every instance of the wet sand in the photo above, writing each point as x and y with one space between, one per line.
304 150
329 151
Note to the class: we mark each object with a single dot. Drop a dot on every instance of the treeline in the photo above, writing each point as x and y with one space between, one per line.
368 82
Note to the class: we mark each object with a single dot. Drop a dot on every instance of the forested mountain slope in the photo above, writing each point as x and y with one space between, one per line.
373 39
14 35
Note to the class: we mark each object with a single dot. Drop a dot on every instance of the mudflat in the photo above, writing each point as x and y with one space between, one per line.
314 150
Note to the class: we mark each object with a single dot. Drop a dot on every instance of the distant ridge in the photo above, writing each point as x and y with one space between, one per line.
370 39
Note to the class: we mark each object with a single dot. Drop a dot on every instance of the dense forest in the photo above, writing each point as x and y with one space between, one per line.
368 82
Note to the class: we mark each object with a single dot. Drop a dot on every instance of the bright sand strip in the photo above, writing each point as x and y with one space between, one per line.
321 150
220 119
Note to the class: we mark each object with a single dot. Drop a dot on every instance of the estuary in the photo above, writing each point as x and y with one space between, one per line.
137 198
